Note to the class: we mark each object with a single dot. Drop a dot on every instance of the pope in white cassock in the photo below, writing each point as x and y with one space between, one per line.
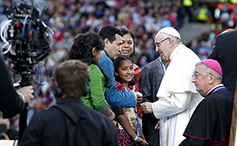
178 97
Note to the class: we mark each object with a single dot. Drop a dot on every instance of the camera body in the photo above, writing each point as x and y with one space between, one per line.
26 38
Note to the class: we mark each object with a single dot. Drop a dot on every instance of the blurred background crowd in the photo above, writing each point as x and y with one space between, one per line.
143 17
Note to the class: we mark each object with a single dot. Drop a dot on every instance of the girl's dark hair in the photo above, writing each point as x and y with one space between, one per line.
126 31
82 49
117 63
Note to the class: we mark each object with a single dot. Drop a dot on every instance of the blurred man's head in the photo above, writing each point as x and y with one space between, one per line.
112 39
207 74
71 76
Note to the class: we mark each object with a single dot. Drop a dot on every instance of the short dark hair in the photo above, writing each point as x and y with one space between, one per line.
72 76
117 63
109 32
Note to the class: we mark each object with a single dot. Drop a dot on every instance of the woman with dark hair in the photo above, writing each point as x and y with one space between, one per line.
88 48
128 48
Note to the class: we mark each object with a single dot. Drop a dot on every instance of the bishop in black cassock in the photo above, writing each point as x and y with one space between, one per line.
211 120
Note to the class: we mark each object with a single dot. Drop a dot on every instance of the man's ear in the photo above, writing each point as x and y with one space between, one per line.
170 42
212 78
106 41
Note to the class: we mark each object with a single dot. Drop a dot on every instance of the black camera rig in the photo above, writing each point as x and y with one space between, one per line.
26 40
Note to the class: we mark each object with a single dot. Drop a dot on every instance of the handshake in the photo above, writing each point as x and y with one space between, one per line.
139 98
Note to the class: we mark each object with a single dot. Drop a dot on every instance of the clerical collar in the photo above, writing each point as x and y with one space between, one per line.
175 51
215 88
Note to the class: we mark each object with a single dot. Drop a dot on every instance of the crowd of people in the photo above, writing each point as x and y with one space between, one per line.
71 17
150 58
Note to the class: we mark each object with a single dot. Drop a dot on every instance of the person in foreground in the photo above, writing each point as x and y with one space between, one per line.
70 122
211 120
177 95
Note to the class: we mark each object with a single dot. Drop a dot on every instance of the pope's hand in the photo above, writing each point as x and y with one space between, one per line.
146 107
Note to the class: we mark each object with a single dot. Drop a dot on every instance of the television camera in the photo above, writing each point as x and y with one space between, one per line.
26 40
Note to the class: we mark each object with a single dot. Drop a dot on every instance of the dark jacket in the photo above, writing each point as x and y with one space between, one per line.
81 126
211 120
10 102
225 53
151 78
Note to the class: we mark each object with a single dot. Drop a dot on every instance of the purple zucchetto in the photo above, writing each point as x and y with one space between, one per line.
213 64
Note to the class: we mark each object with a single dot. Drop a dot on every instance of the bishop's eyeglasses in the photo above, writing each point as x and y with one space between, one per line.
196 75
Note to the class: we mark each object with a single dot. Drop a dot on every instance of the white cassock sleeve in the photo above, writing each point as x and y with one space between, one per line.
172 105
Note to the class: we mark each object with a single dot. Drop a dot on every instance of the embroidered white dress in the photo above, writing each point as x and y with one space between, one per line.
178 97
